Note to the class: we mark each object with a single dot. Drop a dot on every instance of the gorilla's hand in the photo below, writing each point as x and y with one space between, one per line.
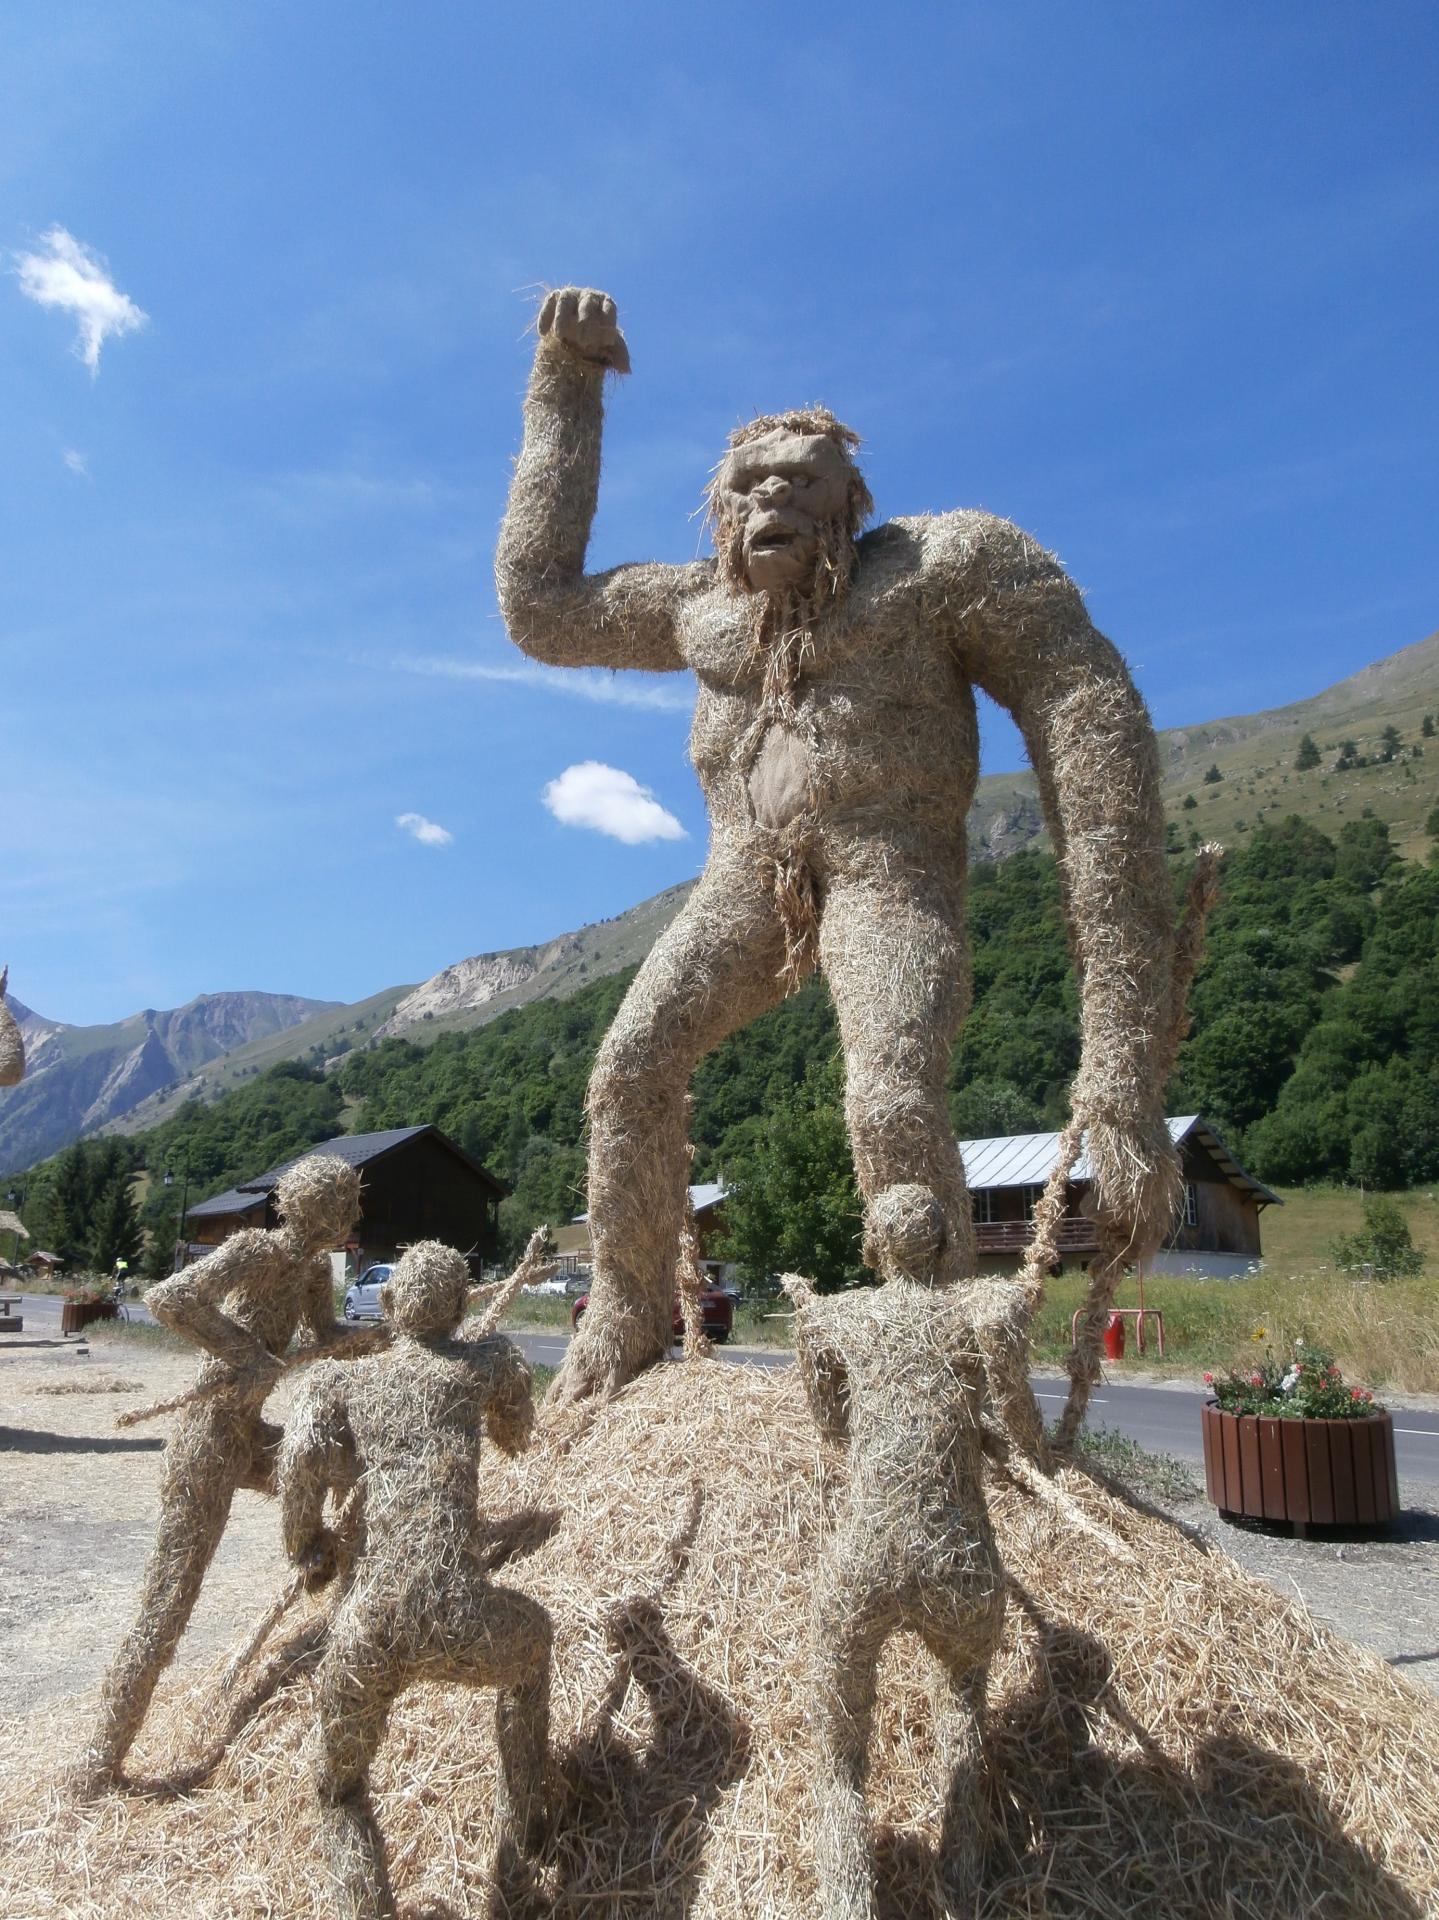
1137 1186
585 321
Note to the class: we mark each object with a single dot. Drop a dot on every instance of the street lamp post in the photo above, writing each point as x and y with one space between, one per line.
15 1200
182 1244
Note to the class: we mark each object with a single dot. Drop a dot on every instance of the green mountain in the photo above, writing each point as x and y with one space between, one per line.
1254 754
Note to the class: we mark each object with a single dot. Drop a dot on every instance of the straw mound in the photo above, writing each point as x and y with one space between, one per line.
1171 1739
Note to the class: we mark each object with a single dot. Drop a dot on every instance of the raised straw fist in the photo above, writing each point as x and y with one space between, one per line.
585 321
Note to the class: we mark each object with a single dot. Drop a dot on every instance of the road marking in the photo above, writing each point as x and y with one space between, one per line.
1100 1403
1425 1433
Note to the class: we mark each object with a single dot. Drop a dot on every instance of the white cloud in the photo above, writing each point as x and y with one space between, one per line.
76 462
69 276
574 683
425 831
611 801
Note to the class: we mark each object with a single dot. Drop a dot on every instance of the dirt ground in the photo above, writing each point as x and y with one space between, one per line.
78 1503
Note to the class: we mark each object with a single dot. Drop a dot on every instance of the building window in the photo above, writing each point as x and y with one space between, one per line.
1031 1197
981 1206
1191 1204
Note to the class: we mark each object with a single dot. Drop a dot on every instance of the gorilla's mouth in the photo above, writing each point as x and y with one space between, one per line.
772 536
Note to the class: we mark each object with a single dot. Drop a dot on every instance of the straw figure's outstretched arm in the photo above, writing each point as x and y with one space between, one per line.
822 1371
12 1046
1023 635
509 1390
188 1303
553 609
317 1457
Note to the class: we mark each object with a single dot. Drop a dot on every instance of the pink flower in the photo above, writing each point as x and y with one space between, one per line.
1209 1379
1256 1379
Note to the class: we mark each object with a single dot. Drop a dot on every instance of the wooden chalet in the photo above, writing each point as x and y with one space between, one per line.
417 1185
1217 1233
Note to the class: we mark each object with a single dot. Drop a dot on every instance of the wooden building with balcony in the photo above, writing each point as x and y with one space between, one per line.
1217 1233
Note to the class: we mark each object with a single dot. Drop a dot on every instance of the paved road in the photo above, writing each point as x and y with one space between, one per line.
1163 1419
42 1318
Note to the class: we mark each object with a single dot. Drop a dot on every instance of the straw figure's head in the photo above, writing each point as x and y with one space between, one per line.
904 1232
425 1294
12 1046
318 1200
787 503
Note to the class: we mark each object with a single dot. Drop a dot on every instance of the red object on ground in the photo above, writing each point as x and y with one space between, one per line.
716 1309
1114 1337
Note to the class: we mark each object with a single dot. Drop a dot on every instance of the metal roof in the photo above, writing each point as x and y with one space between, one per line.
1027 1159
360 1149
237 1200
356 1149
708 1194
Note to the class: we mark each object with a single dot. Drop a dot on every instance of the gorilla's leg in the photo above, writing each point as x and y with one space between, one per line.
710 972
892 945
195 1496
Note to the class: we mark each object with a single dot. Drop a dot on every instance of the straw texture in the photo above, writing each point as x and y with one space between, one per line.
241 1305
12 1044
897 1378
836 742
1164 1740
400 1434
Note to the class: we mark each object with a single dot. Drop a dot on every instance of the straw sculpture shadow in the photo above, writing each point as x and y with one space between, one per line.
39 1440
637 1818
1238 1832
836 741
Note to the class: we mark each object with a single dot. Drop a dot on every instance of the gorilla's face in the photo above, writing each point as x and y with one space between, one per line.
780 492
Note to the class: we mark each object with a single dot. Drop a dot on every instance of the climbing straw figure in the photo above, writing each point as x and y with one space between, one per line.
896 1376
836 741
405 1427
241 1304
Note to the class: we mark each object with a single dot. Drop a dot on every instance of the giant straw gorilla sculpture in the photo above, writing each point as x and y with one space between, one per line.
836 741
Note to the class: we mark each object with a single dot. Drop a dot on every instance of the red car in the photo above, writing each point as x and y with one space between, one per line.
716 1307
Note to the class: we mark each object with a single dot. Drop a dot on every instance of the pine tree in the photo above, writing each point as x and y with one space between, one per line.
1212 776
116 1233
1307 756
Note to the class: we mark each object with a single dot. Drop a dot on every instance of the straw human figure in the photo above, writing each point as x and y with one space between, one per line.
405 1427
836 742
896 1377
12 1044
241 1305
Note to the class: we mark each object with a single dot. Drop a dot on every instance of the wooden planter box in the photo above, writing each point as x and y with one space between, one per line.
76 1315
1323 1473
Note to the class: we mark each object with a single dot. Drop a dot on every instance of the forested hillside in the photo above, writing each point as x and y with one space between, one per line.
1315 1049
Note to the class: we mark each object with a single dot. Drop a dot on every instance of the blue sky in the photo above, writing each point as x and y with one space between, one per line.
1160 283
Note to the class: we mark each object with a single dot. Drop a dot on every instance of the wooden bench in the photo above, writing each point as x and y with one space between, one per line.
10 1320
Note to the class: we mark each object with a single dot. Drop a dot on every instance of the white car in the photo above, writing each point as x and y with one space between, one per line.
362 1302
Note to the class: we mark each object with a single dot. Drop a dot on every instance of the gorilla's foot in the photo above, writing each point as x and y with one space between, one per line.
607 1352
86 1778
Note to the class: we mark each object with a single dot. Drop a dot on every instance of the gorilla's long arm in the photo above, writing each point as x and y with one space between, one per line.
1025 638
554 610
